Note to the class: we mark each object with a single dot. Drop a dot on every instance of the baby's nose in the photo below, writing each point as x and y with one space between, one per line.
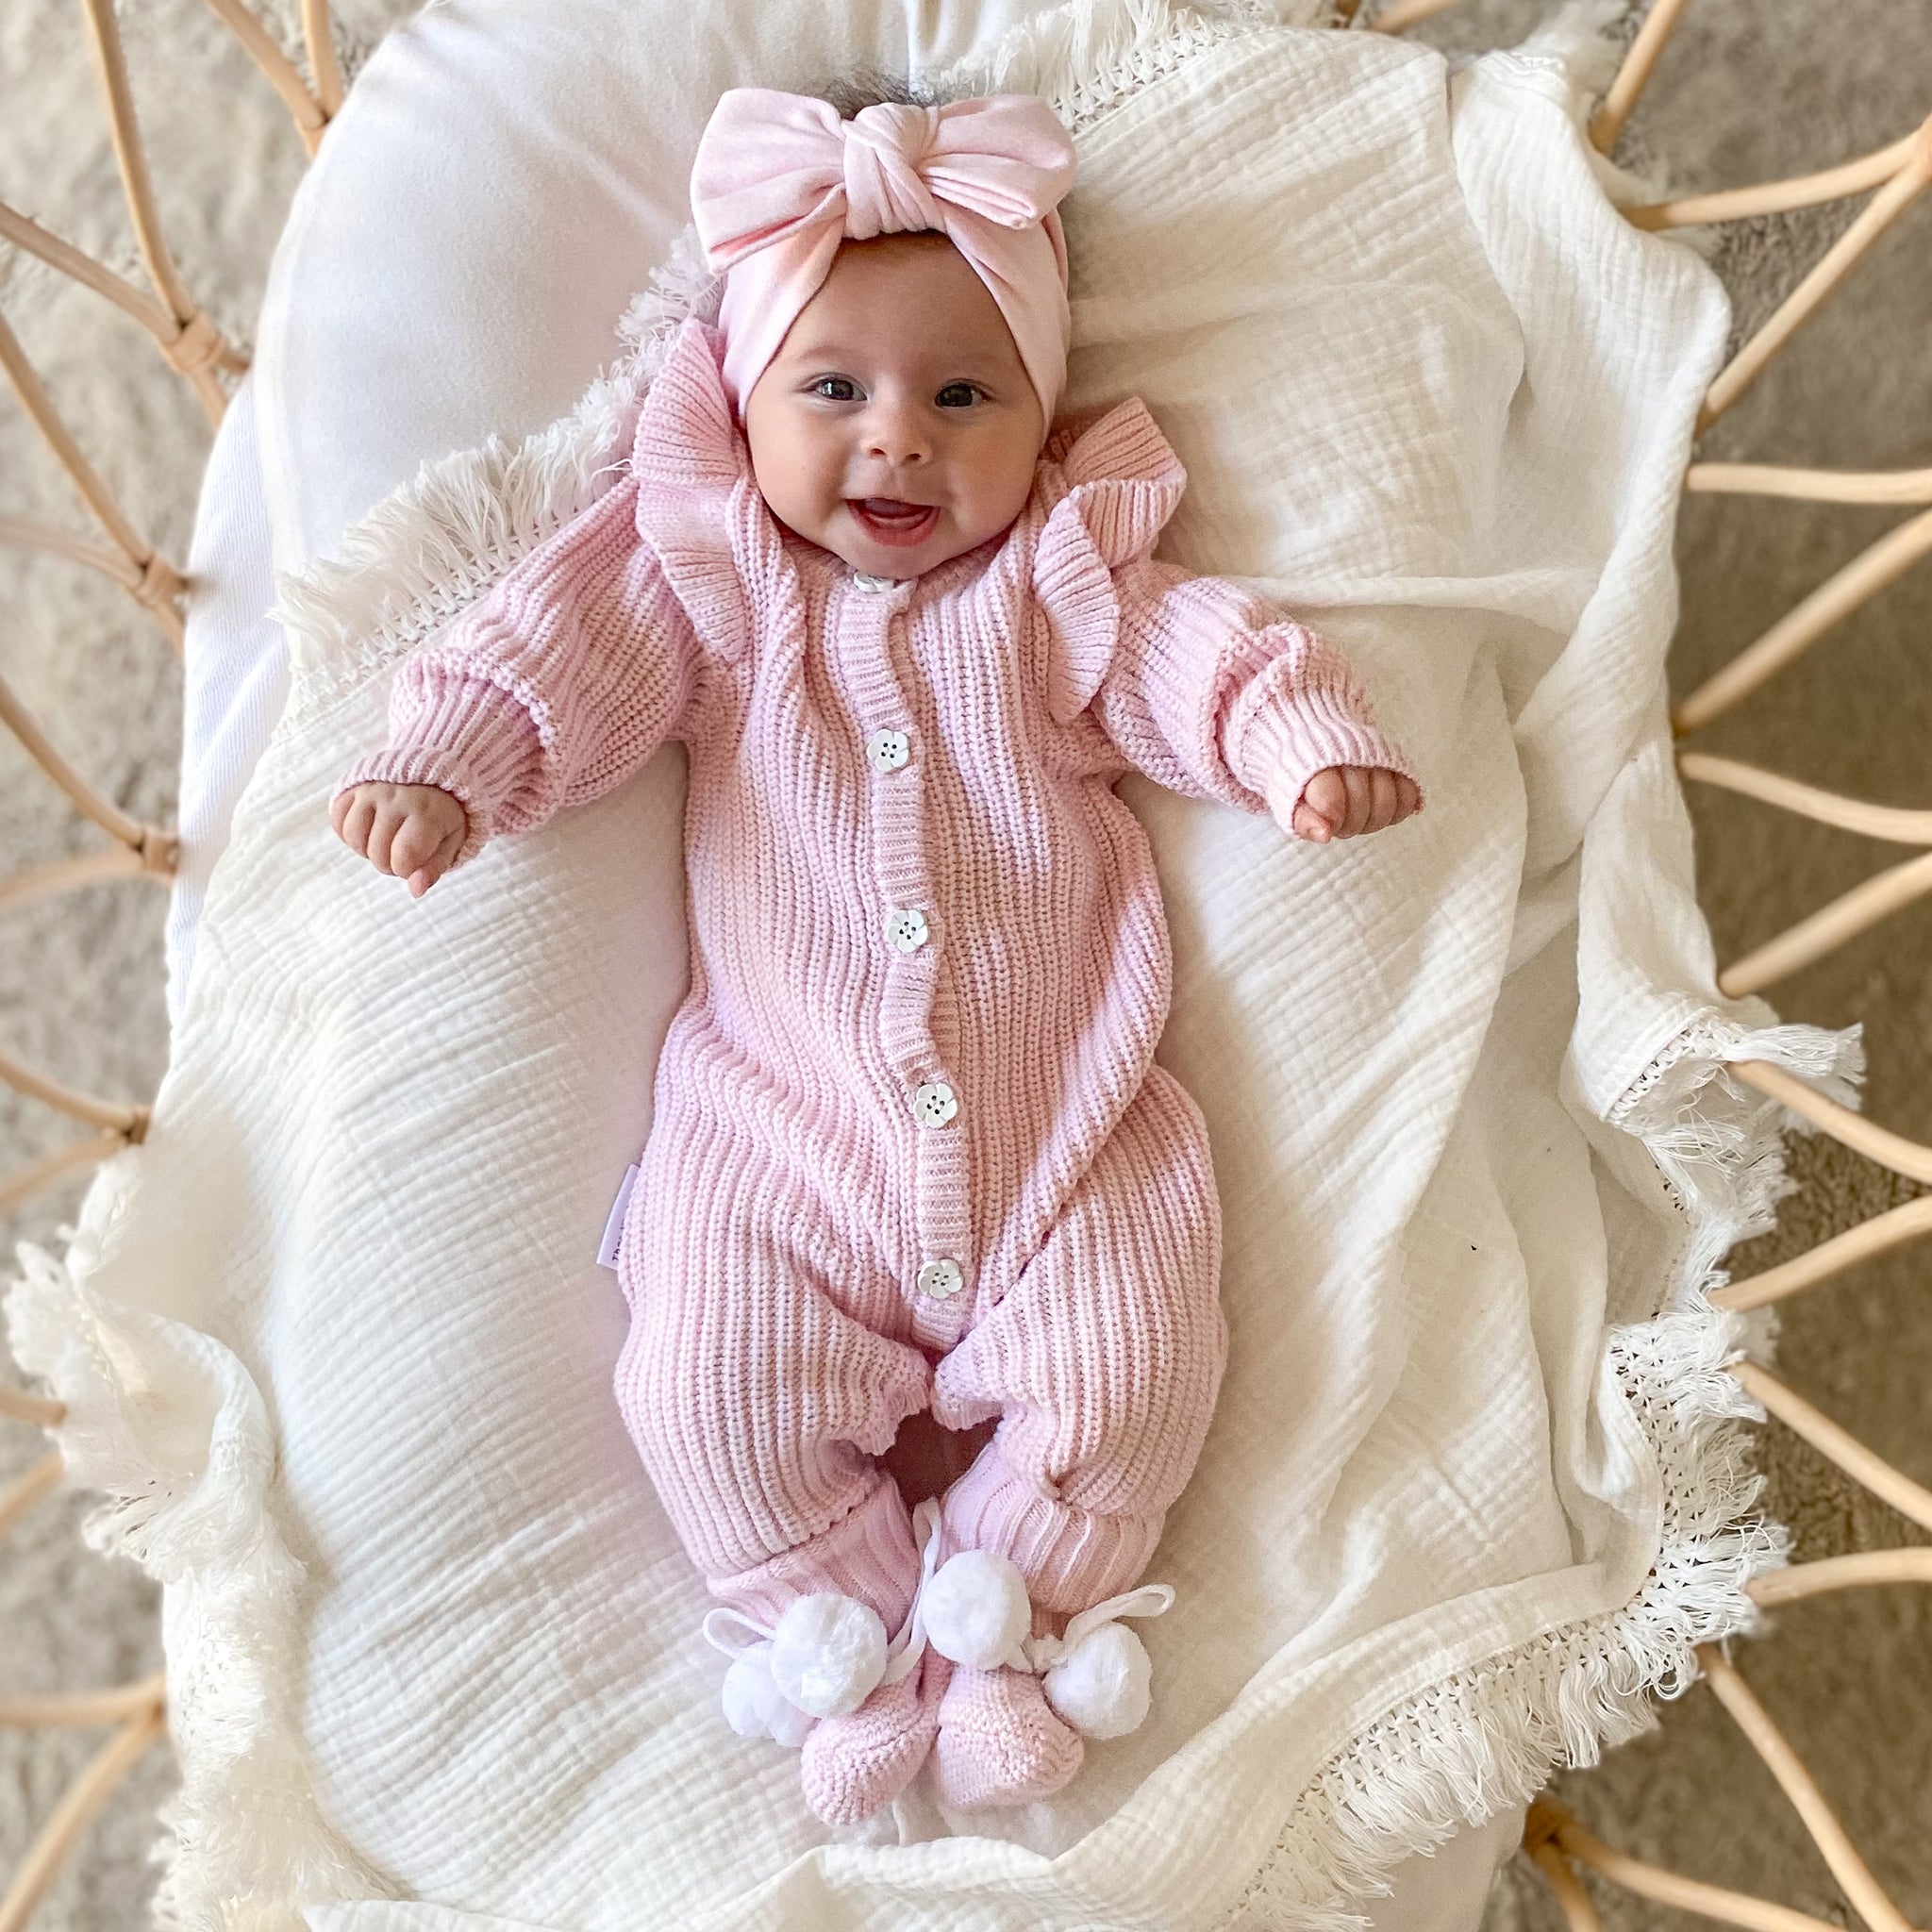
896 436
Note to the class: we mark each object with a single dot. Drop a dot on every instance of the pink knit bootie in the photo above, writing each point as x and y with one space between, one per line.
999 1740
851 1765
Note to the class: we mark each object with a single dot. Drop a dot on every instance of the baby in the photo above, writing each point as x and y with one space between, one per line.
911 1150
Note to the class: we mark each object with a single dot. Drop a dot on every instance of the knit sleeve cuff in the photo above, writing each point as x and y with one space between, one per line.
1308 714
467 737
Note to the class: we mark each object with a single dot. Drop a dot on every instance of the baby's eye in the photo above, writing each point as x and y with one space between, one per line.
958 396
836 389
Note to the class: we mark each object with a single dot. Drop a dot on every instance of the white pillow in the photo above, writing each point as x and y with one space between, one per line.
334 1333
235 665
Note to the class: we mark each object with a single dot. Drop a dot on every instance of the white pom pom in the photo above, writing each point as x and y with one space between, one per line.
828 1652
749 1691
791 1726
975 1608
754 1704
1103 1686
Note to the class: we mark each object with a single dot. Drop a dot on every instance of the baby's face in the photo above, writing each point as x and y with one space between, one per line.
895 427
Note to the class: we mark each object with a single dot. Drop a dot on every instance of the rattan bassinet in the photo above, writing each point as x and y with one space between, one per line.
135 1715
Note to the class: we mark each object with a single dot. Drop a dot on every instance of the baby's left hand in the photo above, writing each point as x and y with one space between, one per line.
1344 800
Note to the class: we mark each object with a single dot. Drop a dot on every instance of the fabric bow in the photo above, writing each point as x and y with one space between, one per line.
781 181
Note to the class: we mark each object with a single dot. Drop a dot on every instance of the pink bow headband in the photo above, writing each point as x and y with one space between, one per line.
780 180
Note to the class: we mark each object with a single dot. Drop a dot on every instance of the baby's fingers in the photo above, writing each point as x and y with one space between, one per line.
436 864
1381 799
417 842
1324 805
352 815
1360 797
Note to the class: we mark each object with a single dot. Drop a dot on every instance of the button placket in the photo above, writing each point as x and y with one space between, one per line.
898 784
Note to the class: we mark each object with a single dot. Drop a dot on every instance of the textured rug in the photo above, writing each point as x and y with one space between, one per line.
1750 89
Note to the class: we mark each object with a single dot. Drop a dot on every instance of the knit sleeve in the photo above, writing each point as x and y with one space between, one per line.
1210 693
551 691
1198 683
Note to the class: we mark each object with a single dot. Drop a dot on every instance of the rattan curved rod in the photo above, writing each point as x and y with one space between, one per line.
1878 1235
26 233
1829 929
321 56
309 115
1801 628
108 867
1908 1158
18 1405
43 1172
1668 1888
1837 1443
1639 63
29 533
190 345
75 1811
1809 485
160 582
157 847
1803 301
1868 1897
112 1706
1392 19
1579 1915
1900 824
104 30
122 1116
40 1479
1776 197
153 595
1869 1567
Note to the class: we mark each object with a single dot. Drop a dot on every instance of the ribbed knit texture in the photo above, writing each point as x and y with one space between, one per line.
790 1192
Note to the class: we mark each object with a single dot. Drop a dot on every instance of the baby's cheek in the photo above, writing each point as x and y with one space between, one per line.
993 497
797 475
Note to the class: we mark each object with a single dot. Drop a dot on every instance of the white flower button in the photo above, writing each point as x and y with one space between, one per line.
864 580
941 1277
907 929
889 750
934 1104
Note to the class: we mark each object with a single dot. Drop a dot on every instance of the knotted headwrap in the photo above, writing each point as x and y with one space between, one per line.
781 181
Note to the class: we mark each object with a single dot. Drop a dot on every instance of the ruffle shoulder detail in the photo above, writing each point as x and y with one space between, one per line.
1122 482
698 506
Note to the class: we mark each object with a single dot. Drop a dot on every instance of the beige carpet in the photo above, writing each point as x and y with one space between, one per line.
1751 89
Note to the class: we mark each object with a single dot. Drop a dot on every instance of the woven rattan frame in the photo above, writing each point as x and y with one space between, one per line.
135 1715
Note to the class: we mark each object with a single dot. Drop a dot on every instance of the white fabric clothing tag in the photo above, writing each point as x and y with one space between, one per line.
614 1229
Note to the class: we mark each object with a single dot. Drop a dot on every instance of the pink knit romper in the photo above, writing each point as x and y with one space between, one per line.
911 1147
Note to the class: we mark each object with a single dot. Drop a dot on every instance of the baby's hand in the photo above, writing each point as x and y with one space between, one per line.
412 831
1344 800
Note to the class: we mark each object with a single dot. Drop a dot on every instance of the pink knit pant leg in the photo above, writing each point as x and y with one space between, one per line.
1103 1360
758 1387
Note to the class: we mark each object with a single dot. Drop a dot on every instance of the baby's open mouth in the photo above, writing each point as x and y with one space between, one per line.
886 519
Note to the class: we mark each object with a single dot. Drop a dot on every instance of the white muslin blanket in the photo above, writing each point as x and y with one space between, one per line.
333 1341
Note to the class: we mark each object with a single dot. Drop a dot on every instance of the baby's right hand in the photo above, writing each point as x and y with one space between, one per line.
409 831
